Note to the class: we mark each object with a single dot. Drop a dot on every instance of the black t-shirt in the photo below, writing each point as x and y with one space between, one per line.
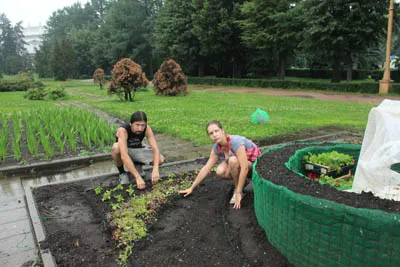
134 140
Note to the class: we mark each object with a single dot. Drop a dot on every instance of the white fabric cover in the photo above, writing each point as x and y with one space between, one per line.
379 151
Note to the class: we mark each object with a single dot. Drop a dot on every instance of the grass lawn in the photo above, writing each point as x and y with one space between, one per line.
186 116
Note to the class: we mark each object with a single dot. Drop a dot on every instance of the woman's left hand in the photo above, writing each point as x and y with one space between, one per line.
238 199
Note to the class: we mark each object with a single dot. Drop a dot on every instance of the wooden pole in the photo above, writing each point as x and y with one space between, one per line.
384 84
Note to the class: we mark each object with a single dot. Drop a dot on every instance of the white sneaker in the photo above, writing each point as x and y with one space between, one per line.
123 178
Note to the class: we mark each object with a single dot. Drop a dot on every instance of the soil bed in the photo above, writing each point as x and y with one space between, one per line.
271 167
201 230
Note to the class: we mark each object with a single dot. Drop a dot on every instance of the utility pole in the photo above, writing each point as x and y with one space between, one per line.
384 84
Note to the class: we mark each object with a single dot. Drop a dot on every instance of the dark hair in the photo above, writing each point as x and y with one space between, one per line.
214 122
139 116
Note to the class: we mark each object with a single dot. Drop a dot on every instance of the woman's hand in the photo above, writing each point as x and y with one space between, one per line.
140 183
238 199
186 192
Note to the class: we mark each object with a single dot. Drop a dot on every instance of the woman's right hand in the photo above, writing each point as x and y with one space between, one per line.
186 192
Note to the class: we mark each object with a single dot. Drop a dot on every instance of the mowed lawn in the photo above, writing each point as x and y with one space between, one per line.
187 116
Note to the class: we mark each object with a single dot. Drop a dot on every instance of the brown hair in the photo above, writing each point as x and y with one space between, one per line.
214 122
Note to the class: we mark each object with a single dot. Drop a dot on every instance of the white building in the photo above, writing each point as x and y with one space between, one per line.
33 37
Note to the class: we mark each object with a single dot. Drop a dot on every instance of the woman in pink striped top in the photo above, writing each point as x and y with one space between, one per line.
237 153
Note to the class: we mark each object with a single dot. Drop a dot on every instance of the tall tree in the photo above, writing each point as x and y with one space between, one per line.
338 30
13 56
173 36
212 25
125 31
77 24
270 29
63 60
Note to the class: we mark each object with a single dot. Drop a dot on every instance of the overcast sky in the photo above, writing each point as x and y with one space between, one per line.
33 12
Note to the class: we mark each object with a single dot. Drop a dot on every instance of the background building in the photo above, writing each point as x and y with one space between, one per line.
33 37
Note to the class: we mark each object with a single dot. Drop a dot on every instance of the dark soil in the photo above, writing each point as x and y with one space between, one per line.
201 230
271 167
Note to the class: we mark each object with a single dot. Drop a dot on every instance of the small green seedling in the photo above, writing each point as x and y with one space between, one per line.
98 190
106 195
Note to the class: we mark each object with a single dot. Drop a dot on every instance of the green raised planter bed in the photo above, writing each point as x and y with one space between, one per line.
312 231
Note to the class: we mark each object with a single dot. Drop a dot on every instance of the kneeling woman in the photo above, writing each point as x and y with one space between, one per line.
238 154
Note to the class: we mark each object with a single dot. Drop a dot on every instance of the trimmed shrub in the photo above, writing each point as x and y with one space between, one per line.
40 93
127 77
54 93
36 94
99 77
169 80
14 85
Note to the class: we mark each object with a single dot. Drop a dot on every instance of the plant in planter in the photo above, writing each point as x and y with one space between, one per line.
341 183
330 163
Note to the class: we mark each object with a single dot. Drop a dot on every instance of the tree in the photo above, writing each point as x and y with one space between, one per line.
340 30
169 80
77 24
42 59
82 42
213 27
270 29
125 32
127 76
99 77
173 35
63 59
13 55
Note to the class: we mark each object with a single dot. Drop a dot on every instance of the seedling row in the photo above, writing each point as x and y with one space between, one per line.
48 132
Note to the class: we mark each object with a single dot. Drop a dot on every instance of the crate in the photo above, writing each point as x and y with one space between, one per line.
326 170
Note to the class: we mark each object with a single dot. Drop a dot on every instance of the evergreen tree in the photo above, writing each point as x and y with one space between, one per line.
339 30
13 56
63 59
173 36
213 28
270 29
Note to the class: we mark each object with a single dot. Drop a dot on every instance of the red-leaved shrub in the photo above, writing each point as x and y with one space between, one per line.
169 80
99 77
127 77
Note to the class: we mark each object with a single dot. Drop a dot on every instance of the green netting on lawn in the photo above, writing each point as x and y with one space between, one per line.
312 231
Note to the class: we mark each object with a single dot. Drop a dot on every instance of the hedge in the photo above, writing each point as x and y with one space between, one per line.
18 85
370 87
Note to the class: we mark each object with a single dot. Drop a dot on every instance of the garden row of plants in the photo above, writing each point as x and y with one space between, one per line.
370 87
49 132
131 211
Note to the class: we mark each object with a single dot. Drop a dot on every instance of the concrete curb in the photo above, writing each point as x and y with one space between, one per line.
59 164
